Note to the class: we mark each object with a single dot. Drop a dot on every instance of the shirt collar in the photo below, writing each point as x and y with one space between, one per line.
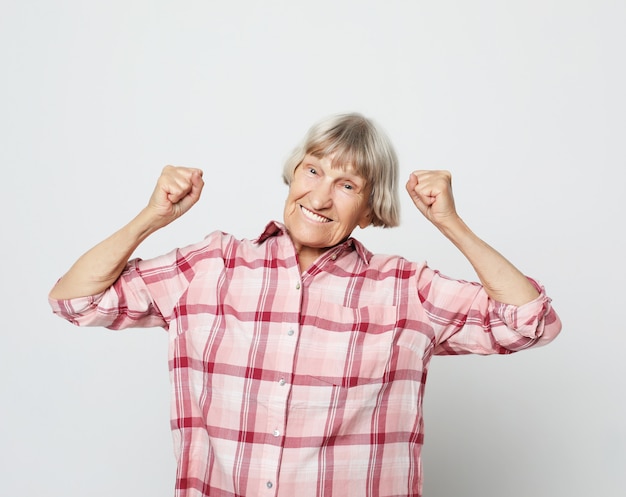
274 228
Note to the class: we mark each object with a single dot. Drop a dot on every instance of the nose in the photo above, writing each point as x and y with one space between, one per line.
321 196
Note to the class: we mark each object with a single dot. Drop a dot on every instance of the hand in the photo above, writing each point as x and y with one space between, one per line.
431 192
176 191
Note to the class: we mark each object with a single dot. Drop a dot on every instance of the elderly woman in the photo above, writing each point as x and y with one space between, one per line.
298 360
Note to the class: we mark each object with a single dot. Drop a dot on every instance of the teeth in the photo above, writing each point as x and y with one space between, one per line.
314 217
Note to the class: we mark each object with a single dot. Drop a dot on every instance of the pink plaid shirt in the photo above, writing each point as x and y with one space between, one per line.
290 384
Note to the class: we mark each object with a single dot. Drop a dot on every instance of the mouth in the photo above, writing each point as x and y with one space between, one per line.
313 216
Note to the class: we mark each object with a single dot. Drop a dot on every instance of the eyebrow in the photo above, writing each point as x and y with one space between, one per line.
348 168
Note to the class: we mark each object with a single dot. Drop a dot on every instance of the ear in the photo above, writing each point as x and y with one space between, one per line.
366 218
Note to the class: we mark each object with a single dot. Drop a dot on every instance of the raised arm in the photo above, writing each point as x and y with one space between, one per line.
431 192
176 191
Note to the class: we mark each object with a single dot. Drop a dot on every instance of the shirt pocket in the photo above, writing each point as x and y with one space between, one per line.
346 346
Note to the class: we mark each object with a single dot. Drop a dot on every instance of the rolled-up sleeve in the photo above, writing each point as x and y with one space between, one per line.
128 303
467 321
536 319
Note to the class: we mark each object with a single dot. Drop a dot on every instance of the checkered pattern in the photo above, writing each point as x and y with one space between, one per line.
289 384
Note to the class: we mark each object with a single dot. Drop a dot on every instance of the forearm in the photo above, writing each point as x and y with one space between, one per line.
501 279
99 268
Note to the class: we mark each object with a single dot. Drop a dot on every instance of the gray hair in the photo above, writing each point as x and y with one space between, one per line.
356 140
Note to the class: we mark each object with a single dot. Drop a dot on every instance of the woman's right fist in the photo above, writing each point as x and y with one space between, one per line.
176 191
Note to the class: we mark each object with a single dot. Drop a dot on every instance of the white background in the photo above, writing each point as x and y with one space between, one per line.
524 101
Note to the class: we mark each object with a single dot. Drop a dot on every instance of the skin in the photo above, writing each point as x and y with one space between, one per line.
335 200
323 206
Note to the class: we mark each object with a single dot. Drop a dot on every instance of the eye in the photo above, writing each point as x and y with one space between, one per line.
311 170
348 186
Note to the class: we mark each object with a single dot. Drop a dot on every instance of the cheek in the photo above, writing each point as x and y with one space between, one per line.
289 206
291 202
296 190
291 194
357 208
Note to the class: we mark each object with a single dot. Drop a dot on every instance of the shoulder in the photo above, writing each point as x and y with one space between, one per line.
212 246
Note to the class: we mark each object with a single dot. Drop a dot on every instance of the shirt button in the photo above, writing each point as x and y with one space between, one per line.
276 433
297 286
269 484
334 257
282 382
290 333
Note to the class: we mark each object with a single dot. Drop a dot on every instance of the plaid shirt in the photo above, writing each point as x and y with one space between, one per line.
305 384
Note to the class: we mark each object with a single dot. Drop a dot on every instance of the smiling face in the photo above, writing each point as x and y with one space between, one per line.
324 205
